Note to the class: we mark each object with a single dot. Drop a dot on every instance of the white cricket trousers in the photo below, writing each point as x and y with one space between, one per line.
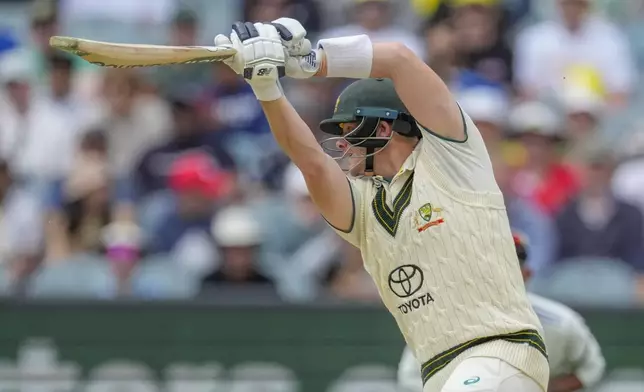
485 374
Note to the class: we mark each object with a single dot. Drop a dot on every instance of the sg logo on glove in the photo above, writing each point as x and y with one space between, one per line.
263 50
259 50
264 72
281 45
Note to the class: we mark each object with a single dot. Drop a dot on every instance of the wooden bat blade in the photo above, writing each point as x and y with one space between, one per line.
115 55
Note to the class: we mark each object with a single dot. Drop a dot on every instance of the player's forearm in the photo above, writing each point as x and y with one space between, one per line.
293 135
327 184
568 383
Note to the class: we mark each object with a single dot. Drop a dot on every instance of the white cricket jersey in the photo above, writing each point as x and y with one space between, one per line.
437 242
572 348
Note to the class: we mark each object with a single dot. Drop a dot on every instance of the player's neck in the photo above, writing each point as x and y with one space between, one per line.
393 157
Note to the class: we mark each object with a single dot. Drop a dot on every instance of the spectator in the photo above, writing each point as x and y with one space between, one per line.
431 9
189 136
239 237
526 217
544 179
580 41
480 37
489 109
598 224
466 40
21 230
76 226
45 24
37 139
440 42
80 112
628 181
374 18
512 11
59 90
16 99
184 30
233 109
122 241
306 11
298 243
184 78
584 110
134 121
230 107
199 187
263 10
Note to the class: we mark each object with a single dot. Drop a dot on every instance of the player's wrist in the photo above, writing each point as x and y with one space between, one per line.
267 91
322 70
347 57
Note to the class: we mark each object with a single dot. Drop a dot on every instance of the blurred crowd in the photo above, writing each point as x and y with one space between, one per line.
166 183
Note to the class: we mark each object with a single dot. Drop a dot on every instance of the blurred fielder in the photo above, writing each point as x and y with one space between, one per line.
421 203
576 361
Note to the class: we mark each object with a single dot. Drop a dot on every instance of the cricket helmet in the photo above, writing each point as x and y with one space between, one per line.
367 102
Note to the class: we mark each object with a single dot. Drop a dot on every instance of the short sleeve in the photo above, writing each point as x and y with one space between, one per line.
464 162
586 356
355 234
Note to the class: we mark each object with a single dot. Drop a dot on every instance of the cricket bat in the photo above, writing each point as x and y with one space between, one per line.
115 55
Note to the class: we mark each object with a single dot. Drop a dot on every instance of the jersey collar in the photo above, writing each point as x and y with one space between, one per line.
410 163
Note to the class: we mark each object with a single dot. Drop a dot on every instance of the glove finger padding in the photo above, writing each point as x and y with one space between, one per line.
291 29
293 36
236 63
222 40
267 54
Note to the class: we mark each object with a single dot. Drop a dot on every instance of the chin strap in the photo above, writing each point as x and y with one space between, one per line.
368 169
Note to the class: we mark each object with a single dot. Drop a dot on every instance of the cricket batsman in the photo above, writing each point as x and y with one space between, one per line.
420 202
576 360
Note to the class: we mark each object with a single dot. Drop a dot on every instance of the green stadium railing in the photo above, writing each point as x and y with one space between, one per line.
194 347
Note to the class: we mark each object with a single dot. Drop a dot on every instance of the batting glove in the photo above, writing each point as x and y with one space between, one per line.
304 67
260 57
293 36
301 62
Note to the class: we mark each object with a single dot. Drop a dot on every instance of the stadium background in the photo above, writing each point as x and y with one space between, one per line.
152 237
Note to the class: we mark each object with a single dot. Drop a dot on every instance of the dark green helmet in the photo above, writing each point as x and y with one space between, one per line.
367 102
372 98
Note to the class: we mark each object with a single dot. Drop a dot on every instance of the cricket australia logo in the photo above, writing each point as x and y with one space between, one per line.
426 213
405 282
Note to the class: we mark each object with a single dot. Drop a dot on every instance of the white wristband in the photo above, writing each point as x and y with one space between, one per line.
268 92
348 57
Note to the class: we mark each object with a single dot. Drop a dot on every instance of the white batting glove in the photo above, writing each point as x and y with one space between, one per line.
293 36
304 67
260 57
301 62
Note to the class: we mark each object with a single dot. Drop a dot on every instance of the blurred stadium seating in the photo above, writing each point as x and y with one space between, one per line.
147 214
